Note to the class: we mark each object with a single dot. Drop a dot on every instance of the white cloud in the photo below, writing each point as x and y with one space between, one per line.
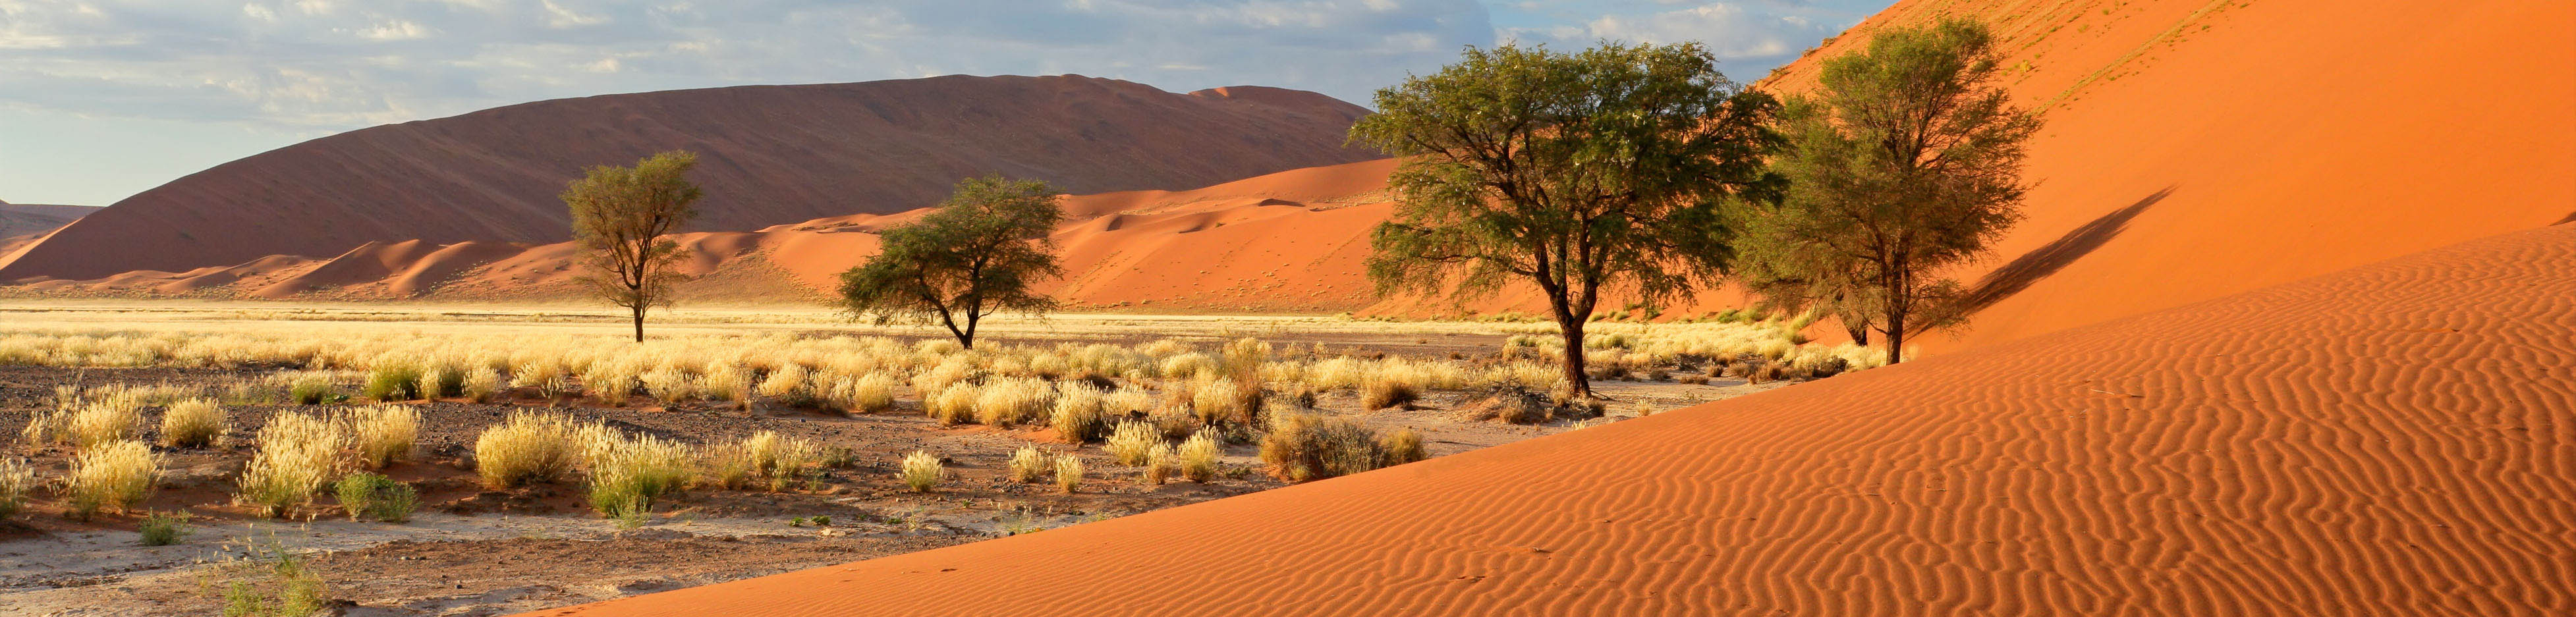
332 64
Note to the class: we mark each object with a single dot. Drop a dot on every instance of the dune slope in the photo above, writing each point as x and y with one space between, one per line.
768 155
2396 439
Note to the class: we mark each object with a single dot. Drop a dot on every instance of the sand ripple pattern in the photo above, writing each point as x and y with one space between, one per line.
2397 439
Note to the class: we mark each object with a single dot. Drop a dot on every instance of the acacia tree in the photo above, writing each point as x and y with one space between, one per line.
619 215
1905 162
974 256
1578 173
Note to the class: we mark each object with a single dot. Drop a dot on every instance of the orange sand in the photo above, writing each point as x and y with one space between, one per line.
2396 439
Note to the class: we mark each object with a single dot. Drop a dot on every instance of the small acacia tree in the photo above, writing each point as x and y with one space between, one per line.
1905 162
1578 173
974 256
619 215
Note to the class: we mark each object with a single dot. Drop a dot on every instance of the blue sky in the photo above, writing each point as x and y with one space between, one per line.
100 99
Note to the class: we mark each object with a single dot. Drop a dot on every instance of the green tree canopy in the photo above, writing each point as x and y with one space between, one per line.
1906 162
1579 173
976 255
619 215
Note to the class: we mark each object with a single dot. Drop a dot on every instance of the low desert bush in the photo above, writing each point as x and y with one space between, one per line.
1125 402
1222 400
953 406
370 496
1303 447
670 385
1130 443
311 388
17 479
1029 463
297 454
1076 417
111 476
440 380
627 475
192 423
95 422
790 386
393 382
162 529
482 384
764 459
1378 393
272 582
1159 464
1013 400
1190 365
726 382
922 472
873 392
383 434
1068 473
1199 457
528 447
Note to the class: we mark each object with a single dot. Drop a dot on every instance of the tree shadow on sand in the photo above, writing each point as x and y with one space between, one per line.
2046 260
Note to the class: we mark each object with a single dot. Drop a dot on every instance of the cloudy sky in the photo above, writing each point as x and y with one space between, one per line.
100 99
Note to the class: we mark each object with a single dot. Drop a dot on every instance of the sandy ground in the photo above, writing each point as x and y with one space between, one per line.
477 552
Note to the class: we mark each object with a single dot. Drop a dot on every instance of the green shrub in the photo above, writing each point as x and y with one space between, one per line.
372 496
163 529
271 582
393 383
313 389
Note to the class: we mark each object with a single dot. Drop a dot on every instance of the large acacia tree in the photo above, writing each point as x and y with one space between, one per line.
976 255
619 215
1905 162
1583 173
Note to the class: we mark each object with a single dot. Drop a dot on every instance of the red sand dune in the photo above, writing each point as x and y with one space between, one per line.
770 155
2193 149
2395 439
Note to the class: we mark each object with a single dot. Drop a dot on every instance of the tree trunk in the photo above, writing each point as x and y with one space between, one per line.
967 338
1895 334
639 322
1572 328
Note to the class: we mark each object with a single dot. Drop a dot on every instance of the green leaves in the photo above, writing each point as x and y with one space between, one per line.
619 215
1907 162
979 253
1574 171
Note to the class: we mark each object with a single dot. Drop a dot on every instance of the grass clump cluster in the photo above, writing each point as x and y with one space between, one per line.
297 454
764 459
383 434
922 471
113 476
528 447
371 496
17 479
1303 447
193 423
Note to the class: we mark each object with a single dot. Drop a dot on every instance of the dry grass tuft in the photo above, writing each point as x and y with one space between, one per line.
1130 443
1029 463
953 406
1077 415
481 384
1013 400
922 472
297 454
871 393
1068 473
1303 447
627 475
527 448
114 476
193 423
384 433
17 479
1159 464
1199 457
763 459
